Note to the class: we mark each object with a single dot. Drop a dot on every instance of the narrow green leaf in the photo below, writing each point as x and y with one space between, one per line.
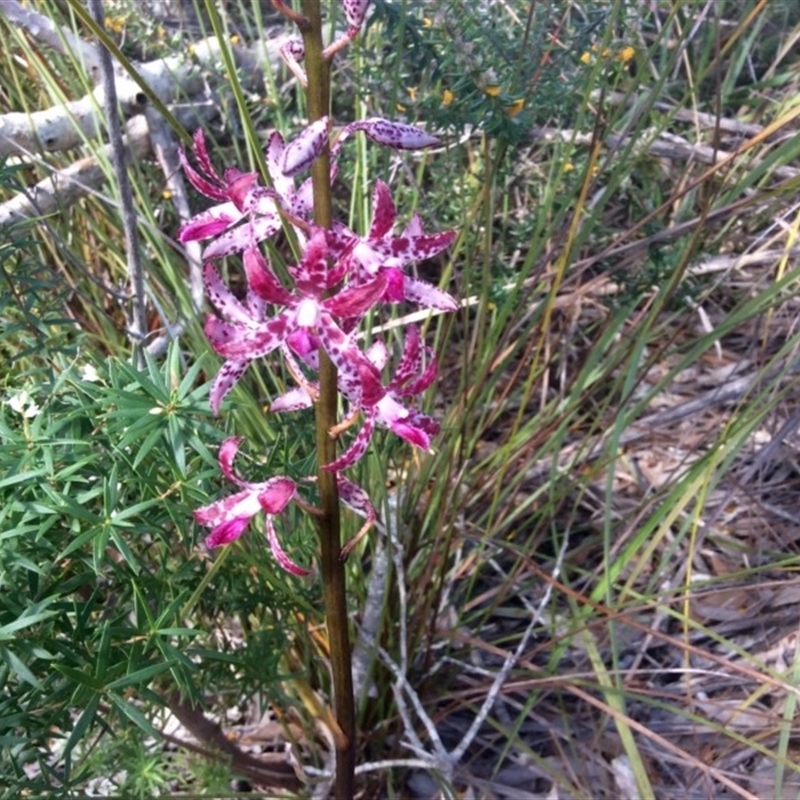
23 477
143 675
19 667
129 710
25 621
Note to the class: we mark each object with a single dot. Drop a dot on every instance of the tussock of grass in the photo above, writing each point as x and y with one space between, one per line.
598 563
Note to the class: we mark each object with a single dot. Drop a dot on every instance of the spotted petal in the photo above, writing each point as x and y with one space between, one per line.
279 553
238 342
229 374
355 11
261 279
209 223
357 447
384 213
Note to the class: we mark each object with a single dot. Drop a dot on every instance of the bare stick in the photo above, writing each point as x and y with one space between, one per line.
138 314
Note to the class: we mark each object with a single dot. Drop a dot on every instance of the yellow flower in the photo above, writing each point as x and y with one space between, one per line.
412 93
447 97
568 166
166 194
492 90
515 107
626 54
115 24
586 58
235 39
427 22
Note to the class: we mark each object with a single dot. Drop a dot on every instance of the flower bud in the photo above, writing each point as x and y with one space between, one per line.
394 134
301 152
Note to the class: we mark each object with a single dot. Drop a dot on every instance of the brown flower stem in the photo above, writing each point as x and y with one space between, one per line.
333 575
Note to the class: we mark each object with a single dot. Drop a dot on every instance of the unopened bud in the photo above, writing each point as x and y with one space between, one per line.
394 134
301 152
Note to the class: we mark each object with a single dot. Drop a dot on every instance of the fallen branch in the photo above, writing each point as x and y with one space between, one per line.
43 29
64 187
664 145
270 769
70 124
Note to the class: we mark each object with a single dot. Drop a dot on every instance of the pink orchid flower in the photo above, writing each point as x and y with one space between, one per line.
242 334
258 208
241 199
411 378
381 253
229 517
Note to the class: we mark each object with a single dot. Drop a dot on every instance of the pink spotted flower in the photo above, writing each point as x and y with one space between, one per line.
381 252
229 517
241 200
410 379
241 334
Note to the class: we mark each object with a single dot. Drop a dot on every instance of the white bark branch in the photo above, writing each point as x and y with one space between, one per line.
66 126
44 30
86 176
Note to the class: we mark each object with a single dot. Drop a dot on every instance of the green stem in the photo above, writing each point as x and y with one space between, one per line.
333 575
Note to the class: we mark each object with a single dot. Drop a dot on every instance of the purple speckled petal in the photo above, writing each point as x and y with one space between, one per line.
235 506
208 184
359 379
425 294
355 301
237 342
310 275
417 431
227 532
413 248
293 400
239 186
201 153
261 279
410 361
357 447
413 426
355 11
276 493
248 234
422 382
279 553
227 453
283 184
223 299
229 374
209 223
384 213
